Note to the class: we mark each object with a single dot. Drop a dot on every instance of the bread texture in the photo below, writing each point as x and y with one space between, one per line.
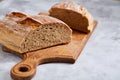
24 33
76 16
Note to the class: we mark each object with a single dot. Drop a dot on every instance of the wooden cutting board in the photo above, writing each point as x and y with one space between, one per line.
26 69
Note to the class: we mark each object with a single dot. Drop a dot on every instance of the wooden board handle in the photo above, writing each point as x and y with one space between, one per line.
24 70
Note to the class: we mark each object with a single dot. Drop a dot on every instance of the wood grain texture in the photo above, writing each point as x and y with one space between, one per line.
69 53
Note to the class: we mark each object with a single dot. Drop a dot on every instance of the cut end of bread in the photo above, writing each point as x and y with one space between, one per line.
46 36
76 16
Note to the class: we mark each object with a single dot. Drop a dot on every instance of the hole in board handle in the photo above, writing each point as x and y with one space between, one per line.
23 69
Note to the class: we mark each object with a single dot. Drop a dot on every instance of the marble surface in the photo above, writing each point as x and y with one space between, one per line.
100 59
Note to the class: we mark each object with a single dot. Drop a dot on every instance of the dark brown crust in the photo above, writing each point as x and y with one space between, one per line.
17 14
69 16
15 27
74 15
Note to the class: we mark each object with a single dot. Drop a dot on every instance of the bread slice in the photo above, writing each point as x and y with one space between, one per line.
74 15
22 33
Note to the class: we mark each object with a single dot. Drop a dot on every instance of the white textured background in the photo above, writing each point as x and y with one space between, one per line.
100 59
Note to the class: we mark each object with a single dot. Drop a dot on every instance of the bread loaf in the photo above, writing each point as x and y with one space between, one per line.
74 15
22 33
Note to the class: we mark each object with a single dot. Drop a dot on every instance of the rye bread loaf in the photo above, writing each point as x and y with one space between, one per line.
22 33
76 16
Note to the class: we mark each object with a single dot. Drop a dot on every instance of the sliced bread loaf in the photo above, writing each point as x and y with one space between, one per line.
74 15
22 33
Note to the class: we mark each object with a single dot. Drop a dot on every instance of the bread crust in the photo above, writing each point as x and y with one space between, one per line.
16 26
74 13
